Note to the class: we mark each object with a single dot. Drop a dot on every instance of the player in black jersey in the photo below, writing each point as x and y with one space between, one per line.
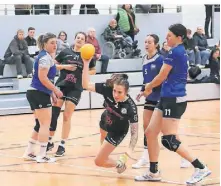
120 113
70 83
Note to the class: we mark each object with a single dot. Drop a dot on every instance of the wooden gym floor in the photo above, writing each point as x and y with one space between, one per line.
199 129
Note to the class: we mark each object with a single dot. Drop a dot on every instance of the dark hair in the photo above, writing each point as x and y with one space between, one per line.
156 40
66 36
123 6
179 30
42 39
31 28
83 33
123 81
114 77
212 52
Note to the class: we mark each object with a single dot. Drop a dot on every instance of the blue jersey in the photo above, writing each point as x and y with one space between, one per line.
151 67
46 61
175 84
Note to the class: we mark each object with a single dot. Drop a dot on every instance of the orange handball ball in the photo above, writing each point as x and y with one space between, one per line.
87 51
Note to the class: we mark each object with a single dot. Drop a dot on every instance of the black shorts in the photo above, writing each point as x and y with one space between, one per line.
102 123
115 138
71 95
171 108
38 99
150 105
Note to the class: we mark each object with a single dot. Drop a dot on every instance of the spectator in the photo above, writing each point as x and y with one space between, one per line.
22 9
165 49
98 56
214 64
62 42
126 20
113 32
208 20
17 53
32 43
193 55
201 45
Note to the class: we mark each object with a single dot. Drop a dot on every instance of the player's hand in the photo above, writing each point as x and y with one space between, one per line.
139 96
58 93
54 98
87 61
70 67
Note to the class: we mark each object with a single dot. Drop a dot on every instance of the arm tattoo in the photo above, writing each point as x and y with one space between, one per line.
134 135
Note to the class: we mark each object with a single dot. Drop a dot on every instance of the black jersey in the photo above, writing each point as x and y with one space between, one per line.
72 79
118 115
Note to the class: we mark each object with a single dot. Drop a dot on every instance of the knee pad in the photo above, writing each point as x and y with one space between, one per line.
170 142
37 126
54 119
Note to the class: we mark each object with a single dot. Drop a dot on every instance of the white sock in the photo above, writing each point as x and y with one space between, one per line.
43 148
62 143
145 154
31 146
50 139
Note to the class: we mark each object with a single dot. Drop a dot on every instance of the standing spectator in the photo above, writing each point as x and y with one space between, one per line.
32 44
17 53
98 56
62 42
193 55
165 49
22 9
126 20
201 45
209 14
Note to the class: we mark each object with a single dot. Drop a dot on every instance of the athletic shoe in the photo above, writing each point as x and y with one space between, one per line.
142 162
149 176
60 152
29 157
50 146
45 159
198 175
121 167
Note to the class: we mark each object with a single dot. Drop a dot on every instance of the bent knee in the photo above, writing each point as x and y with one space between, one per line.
98 162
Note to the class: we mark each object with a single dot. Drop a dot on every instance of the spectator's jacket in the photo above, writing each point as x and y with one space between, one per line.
110 32
16 47
95 43
31 42
200 41
214 67
190 44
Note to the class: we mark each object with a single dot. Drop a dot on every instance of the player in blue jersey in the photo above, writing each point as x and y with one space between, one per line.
39 96
172 105
152 62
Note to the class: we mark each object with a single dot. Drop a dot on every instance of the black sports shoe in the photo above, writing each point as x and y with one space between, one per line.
50 146
60 152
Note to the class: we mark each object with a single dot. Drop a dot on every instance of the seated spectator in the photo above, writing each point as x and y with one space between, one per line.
165 49
126 20
201 45
113 32
214 65
193 55
17 53
32 44
98 56
62 42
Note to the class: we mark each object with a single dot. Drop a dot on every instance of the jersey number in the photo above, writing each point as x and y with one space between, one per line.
167 112
145 71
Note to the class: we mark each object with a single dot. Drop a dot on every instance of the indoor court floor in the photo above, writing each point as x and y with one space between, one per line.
199 130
